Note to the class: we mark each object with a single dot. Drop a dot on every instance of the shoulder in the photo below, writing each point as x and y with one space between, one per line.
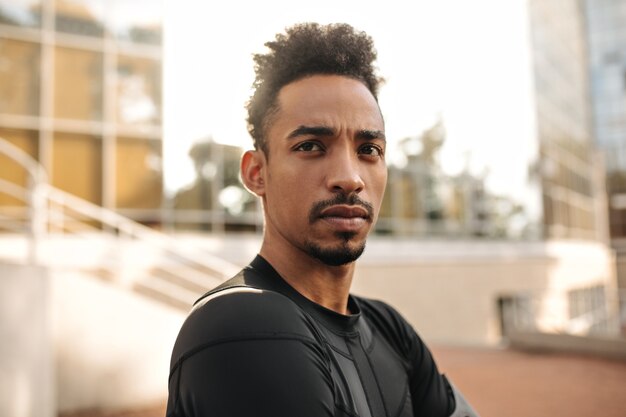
240 313
251 344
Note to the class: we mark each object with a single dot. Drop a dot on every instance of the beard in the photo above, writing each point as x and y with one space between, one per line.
339 255
344 252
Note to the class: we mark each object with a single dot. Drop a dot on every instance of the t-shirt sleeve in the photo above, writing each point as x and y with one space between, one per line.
249 355
431 395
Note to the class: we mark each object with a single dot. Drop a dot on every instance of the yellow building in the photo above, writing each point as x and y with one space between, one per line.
80 90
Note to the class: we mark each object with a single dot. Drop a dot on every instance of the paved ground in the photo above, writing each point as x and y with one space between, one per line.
506 383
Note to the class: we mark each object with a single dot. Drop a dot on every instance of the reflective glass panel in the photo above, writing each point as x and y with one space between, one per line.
80 17
563 119
138 179
20 12
19 77
138 91
11 171
78 84
77 165
137 20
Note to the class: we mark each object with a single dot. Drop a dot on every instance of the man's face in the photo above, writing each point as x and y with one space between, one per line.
325 173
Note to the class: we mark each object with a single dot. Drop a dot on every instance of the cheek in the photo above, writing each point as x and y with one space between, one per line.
288 195
378 183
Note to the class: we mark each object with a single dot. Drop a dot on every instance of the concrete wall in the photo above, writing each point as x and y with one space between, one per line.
113 346
449 290
26 361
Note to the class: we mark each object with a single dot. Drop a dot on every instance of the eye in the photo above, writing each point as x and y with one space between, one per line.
371 150
308 147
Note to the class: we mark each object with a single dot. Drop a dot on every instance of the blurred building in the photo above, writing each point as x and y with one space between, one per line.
216 200
423 201
80 90
569 168
606 20
563 177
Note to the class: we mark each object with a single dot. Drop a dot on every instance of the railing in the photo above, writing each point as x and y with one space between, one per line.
65 231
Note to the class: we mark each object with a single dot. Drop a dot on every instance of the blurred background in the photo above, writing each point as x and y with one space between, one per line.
503 224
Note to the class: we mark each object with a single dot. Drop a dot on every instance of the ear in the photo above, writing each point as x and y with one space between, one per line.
253 172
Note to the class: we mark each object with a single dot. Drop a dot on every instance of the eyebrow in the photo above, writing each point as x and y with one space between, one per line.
364 134
371 134
311 130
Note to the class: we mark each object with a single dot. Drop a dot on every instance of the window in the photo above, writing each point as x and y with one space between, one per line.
77 165
80 17
138 179
138 91
78 84
19 77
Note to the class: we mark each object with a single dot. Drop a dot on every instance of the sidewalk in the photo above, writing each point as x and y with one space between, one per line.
507 383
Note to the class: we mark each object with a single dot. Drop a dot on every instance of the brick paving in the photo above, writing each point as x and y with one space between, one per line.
507 383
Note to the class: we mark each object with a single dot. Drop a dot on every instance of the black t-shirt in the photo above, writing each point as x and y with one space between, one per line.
254 346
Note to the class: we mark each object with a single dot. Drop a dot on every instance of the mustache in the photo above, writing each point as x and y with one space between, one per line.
339 199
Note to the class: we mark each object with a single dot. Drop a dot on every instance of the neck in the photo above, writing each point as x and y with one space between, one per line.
328 286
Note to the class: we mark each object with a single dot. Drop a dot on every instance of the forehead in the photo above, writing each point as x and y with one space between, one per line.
329 100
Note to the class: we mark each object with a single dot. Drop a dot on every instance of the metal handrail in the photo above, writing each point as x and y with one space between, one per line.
53 209
130 228
32 167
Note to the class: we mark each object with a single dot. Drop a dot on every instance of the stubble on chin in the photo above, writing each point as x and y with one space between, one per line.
336 255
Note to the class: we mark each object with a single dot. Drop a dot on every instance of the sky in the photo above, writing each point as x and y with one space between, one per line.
464 62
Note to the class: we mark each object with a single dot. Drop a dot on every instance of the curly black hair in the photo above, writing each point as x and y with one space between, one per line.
307 49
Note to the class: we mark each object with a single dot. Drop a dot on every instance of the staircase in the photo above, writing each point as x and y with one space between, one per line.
55 229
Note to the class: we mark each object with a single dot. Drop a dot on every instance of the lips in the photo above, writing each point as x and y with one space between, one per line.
345 212
348 219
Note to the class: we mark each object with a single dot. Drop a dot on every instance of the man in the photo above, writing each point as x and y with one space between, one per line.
284 337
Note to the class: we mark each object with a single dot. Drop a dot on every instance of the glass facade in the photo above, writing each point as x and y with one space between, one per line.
564 119
606 20
80 90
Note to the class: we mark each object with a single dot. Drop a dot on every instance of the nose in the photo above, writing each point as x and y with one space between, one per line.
343 173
